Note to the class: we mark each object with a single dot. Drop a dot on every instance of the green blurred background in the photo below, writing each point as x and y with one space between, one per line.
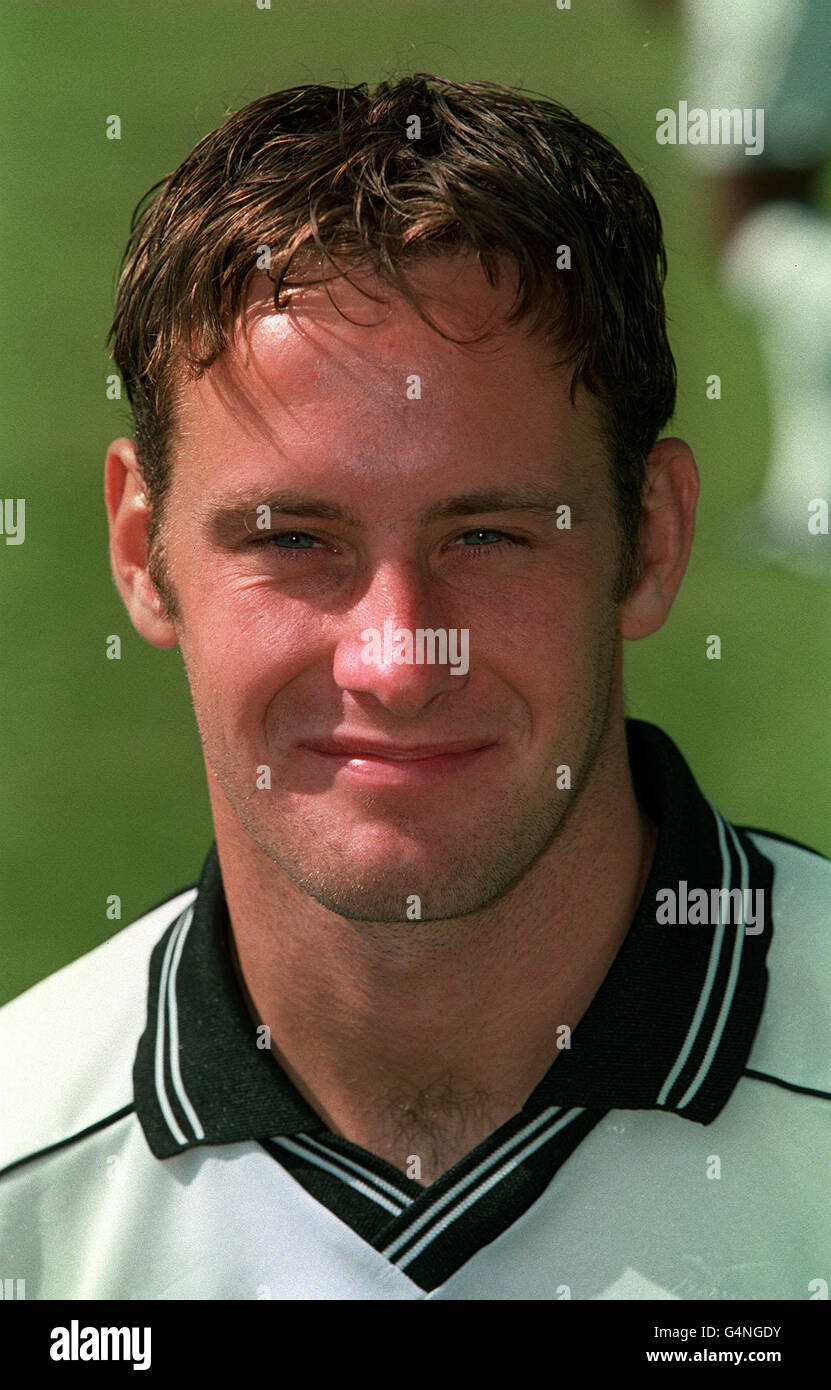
104 783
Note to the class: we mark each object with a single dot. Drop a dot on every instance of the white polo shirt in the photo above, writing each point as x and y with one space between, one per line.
679 1149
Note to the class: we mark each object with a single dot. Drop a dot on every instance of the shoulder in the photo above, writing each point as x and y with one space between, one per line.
801 882
792 1047
67 1045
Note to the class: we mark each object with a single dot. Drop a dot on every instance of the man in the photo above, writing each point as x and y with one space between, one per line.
468 1001
774 241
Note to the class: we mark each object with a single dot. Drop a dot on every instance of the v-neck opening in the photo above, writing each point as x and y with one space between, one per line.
430 1232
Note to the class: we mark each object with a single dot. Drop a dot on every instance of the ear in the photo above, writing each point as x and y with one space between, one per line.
665 537
128 515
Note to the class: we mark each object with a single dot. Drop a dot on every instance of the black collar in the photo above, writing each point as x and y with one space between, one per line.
670 1027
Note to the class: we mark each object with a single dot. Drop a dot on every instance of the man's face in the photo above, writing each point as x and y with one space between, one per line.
416 483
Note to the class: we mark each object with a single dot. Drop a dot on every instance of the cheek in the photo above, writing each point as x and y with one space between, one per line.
239 655
561 634
574 665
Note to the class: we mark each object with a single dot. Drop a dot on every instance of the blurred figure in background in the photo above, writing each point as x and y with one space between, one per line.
774 238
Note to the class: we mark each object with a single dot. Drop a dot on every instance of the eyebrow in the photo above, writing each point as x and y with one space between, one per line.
524 499
225 516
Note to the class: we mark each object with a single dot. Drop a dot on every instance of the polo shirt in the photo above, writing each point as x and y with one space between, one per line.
679 1148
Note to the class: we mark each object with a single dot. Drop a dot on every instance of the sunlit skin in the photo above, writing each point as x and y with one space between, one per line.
408 1036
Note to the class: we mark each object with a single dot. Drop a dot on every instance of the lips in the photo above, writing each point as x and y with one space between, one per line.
391 752
395 767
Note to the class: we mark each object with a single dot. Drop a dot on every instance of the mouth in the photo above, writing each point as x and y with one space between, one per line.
396 764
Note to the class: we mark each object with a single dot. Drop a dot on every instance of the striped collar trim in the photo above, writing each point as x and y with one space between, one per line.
670 1027
672 1024
429 1233
202 1074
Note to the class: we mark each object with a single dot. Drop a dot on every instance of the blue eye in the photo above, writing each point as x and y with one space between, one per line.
483 537
292 540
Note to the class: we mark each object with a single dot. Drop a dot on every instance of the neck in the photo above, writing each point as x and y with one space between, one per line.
418 1040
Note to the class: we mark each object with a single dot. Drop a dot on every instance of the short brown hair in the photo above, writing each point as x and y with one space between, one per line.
327 172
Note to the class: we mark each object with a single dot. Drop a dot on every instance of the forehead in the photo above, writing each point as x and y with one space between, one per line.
353 367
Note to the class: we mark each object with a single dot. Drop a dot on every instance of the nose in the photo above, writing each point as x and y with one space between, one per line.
393 646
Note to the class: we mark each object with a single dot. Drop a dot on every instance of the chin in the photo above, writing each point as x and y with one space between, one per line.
399 886
393 903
